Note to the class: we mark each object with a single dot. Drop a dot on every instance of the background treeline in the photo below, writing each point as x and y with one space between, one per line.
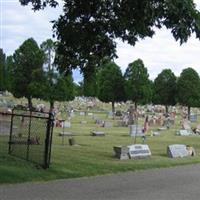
33 72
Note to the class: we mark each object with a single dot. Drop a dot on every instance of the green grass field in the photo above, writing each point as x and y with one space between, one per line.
94 156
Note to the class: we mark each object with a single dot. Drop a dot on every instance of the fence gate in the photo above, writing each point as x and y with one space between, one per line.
30 136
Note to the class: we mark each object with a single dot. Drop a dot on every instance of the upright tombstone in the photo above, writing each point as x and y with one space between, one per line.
136 130
121 152
177 151
66 124
107 124
193 118
139 151
82 113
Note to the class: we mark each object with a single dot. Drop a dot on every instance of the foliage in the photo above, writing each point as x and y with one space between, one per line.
188 87
90 80
87 30
27 60
9 68
48 47
2 71
137 84
111 84
165 88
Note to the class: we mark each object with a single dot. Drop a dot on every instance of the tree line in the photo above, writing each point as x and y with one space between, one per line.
32 72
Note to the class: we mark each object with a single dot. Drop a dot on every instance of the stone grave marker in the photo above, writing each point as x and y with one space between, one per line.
136 130
83 122
139 151
65 134
90 114
107 124
177 150
183 132
193 118
66 124
97 133
121 152
82 113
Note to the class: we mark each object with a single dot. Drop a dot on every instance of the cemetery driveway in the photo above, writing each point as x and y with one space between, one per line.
178 183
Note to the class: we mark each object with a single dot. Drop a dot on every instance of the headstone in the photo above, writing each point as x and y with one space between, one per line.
136 130
183 132
139 151
99 121
66 124
90 114
83 122
65 134
162 128
121 152
193 118
177 150
82 113
155 134
98 133
108 124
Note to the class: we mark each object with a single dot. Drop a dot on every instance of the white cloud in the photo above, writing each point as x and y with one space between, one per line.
19 23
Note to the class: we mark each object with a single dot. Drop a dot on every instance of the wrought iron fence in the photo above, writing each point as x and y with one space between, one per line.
27 135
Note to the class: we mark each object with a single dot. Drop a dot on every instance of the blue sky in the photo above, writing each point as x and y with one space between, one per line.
17 23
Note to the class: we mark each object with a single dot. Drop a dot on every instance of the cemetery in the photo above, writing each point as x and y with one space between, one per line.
90 143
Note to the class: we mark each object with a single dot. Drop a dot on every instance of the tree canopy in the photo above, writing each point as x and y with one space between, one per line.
87 30
137 85
188 87
165 88
111 84
28 61
2 70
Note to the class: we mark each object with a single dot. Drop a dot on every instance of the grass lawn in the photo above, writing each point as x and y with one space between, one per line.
94 155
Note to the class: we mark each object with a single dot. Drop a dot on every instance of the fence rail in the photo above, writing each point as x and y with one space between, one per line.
27 135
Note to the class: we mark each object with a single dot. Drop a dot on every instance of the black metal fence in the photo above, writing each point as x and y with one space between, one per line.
27 135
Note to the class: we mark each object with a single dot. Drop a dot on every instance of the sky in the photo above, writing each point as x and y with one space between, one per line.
18 23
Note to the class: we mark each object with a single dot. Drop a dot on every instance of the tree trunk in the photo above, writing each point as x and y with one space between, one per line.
166 109
188 112
51 106
30 105
135 106
113 109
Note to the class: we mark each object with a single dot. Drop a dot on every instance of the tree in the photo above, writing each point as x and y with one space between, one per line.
9 68
137 85
2 71
55 86
48 47
90 81
165 88
28 60
188 87
87 30
111 84
59 88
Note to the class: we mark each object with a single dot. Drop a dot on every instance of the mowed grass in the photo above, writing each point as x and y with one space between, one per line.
94 156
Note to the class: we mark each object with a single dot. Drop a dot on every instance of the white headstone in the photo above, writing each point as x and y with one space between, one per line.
136 130
139 151
183 132
66 124
90 114
177 150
